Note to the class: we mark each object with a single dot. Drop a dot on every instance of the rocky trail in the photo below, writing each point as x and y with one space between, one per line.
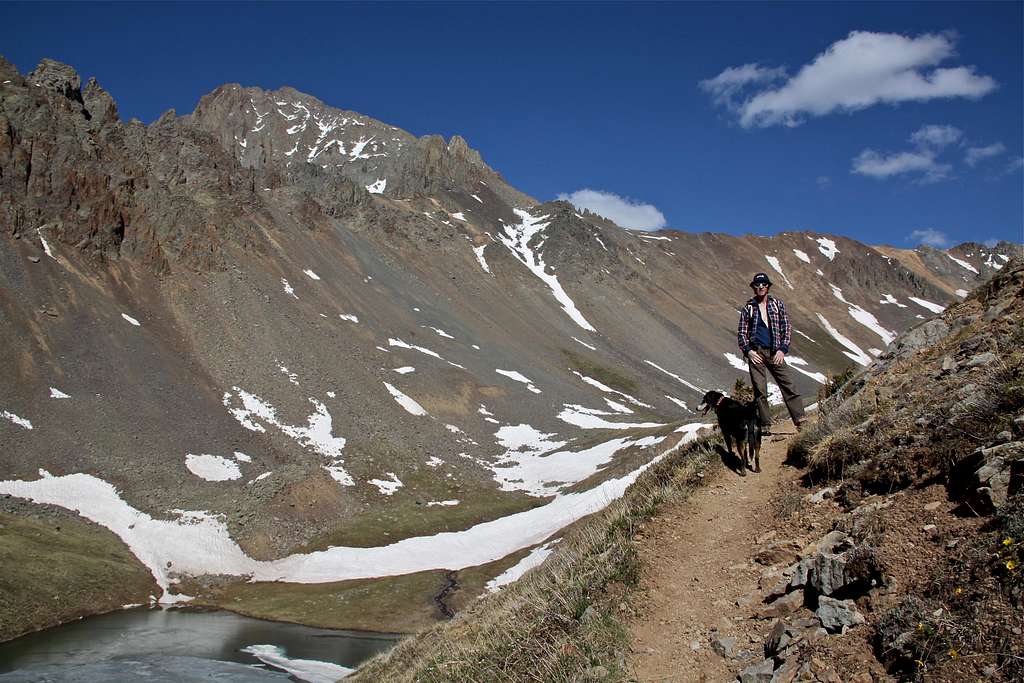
698 573
708 564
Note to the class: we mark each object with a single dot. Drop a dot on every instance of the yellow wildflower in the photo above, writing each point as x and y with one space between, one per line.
1011 564
1008 541
958 591
953 654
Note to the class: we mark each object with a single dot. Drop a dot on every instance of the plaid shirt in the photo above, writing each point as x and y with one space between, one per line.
778 325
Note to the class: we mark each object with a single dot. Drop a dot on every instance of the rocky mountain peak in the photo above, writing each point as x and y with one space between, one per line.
98 102
460 149
58 77
287 133
7 70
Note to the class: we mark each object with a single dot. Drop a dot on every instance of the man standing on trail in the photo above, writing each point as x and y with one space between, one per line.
763 336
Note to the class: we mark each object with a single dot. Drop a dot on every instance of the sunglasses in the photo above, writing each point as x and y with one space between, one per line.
759 286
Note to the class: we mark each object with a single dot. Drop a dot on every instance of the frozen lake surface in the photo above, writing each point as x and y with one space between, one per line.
184 645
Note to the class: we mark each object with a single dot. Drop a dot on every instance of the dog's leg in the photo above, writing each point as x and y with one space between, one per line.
749 445
755 446
728 447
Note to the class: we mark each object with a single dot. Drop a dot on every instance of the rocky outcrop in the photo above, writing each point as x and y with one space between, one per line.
811 599
288 137
71 170
58 78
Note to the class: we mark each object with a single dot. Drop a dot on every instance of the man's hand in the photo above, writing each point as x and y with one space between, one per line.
755 357
779 358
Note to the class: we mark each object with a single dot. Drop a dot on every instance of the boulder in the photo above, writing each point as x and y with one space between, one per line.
777 589
758 673
981 359
783 607
837 615
923 336
787 671
822 495
994 480
780 552
837 563
824 673
777 638
724 646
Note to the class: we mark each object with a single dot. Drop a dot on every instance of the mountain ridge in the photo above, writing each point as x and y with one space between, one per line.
374 355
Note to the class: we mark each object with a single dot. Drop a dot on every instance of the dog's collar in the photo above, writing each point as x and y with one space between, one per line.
719 402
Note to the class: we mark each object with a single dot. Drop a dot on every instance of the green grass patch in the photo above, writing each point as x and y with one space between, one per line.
60 568
406 513
399 604
395 604
605 375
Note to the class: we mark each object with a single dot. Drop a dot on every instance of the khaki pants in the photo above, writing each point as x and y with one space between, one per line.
780 373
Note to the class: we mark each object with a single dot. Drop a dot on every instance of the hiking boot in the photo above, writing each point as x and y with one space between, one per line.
766 430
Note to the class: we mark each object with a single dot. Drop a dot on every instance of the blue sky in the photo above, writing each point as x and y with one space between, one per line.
856 119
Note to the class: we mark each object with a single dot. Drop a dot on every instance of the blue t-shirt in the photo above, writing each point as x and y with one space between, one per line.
762 335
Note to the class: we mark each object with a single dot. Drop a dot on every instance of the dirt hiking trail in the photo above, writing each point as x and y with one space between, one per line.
699 579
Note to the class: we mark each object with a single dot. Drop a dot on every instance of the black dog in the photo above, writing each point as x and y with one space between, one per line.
739 423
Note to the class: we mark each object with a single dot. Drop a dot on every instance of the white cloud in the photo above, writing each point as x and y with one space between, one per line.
991 242
1014 165
976 154
876 165
824 182
930 237
859 71
624 211
936 136
928 140
726 86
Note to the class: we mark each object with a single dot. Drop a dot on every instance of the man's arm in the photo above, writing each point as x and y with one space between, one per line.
785 329
742 332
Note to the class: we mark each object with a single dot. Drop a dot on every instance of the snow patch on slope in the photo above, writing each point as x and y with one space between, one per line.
934 308
513 375
316 434
212 467
517 238
407 403
827 247
855 353
533 559
774 263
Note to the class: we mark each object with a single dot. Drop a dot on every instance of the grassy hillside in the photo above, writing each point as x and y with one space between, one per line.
75 568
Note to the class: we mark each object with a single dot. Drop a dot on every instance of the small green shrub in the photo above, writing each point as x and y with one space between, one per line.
908 639
742 392
1009 555
834 383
